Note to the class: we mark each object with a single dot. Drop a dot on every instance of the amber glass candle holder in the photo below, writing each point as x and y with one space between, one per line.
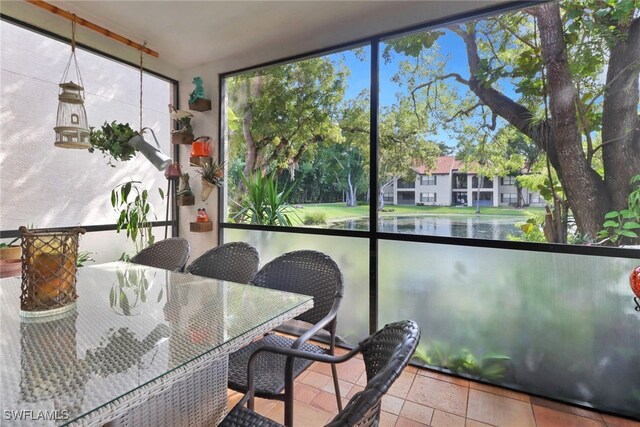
48 270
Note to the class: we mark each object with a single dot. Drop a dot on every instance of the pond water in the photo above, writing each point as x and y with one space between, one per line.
469 226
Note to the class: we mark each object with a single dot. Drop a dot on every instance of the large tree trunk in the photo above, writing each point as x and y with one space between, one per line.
351 192
560 138
620 120
587 195
252 149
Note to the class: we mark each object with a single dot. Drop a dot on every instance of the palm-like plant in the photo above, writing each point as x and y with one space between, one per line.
263 203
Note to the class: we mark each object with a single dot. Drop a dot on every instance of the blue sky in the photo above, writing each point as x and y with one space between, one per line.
450 47
359 80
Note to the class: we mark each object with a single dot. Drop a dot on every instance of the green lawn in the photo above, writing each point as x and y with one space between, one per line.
338 211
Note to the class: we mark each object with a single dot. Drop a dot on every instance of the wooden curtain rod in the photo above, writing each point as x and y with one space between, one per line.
70 16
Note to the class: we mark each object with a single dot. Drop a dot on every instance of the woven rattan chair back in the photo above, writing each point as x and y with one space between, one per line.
386 353
169 254
305 272
234 261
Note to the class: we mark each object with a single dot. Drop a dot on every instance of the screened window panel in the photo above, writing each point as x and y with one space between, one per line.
560 325
351 255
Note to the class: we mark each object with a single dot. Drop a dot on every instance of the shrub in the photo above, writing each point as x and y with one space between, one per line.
264 203
315 218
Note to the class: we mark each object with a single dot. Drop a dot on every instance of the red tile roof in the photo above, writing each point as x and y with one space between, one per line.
444 165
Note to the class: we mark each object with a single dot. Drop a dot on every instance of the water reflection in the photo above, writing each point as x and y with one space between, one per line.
468 226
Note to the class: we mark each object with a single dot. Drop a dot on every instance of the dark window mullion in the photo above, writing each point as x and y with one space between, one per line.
374 100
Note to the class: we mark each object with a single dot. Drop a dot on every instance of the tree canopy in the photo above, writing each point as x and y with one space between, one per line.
564 75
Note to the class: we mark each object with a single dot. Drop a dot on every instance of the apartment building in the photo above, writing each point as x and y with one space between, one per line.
446 185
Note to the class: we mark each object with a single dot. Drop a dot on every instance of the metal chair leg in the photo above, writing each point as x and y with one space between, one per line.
334 371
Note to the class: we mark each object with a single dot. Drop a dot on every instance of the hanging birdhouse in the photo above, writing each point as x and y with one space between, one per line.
72 128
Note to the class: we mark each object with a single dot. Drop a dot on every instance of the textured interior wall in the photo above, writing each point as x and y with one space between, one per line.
204 123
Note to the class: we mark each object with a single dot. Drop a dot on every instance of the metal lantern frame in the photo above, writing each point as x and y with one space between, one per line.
72 127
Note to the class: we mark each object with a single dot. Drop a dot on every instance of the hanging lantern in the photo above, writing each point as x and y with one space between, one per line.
72 127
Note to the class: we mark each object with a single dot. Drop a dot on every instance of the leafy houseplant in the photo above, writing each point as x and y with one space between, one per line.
263 203
212 174
623 226
134 213
112 140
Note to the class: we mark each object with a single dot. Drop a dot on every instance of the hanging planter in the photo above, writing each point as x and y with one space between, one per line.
211 174
120 142
207 188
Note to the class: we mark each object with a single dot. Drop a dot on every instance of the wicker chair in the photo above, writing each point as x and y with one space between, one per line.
385 354
169 254
304 272
235 262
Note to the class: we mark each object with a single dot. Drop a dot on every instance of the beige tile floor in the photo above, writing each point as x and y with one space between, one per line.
422 397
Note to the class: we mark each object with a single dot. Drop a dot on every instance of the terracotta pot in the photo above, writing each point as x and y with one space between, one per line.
11 252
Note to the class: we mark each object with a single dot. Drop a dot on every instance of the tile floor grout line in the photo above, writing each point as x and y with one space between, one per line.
534 415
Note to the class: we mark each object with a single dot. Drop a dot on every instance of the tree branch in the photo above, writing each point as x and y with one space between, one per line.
516 35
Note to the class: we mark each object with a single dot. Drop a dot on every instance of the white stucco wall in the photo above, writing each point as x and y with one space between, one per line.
204 123
442 188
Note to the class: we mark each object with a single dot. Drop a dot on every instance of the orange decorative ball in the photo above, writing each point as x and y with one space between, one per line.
634 281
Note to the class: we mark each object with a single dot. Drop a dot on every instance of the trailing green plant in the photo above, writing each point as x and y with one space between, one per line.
132 203
491 366
315 218
263 203
112 140
622 226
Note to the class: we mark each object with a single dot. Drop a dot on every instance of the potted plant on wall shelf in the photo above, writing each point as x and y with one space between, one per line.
211 174
184 132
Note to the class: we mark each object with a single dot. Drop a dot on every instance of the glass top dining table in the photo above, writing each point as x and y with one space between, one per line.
141 342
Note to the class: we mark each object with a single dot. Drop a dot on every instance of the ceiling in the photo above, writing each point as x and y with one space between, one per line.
190 33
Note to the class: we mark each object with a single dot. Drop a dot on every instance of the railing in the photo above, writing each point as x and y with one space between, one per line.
406 184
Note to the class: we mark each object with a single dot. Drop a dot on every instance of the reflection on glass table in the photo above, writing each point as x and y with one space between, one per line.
143 345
